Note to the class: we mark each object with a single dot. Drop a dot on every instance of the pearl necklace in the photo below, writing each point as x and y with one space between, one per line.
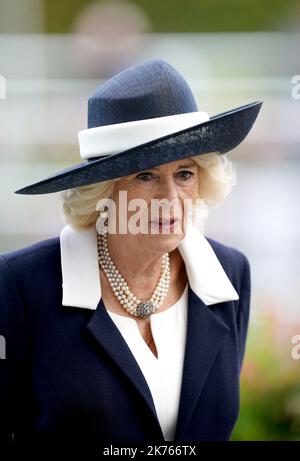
134 306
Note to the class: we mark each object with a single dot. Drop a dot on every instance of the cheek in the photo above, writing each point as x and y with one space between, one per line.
141 195
190 189
147 192
194 187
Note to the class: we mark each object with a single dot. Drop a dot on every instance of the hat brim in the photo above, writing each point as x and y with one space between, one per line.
221 133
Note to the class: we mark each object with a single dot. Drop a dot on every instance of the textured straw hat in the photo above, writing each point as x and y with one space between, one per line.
142 117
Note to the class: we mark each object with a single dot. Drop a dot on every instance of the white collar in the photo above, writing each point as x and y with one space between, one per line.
80 271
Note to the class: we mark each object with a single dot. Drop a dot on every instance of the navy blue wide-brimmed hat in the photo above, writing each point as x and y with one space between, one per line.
142 117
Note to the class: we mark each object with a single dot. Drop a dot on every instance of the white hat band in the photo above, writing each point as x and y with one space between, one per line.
111 139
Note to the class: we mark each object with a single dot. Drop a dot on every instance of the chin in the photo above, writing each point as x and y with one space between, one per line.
165 243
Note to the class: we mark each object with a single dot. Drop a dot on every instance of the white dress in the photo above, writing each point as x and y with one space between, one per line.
163 374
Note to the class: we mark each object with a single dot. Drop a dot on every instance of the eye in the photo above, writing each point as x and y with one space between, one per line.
145 176
186 175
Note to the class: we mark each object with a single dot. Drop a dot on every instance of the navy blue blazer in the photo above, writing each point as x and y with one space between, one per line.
70 378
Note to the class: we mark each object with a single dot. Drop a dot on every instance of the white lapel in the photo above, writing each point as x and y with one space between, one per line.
80 272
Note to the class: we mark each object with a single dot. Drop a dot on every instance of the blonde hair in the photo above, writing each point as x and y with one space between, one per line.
217 176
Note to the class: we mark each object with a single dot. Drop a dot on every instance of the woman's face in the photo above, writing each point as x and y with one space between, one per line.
172 185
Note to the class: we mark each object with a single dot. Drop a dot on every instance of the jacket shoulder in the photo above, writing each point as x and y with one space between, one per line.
232 259
33 257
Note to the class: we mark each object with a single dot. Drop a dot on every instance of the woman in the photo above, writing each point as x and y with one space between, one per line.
131 325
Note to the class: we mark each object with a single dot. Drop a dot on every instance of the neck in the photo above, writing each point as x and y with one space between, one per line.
141 268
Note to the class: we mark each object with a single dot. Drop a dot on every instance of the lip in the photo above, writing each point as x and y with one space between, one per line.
165 222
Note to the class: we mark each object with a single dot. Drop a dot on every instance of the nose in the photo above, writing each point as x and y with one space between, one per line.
168 194
167 189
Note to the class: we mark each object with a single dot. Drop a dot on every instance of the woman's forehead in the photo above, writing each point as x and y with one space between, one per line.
187 162
166 167
184 163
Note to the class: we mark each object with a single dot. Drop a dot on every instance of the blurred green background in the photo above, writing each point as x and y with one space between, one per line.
270 385
187 16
